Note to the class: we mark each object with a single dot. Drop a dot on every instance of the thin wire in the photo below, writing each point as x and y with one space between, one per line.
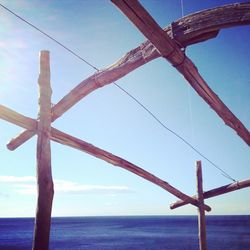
50 37
190 111
182 9
191 122
127 93
188 88
174 133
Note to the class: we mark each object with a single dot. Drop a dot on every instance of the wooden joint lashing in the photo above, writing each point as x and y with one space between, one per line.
179 64
96 75
171 57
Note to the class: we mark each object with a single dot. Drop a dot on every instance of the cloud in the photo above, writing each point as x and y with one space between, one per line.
26 185
3 44
15 179
13 44
4 195
62 186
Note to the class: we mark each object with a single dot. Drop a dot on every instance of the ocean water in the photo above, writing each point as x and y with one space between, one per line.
143 232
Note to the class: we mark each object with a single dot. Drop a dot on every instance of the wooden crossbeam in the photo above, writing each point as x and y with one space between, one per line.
170 50
217 191
188 30
63 138
44 175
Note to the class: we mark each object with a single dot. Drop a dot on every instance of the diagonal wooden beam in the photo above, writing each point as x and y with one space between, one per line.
216 192
63 138
169 49
188 30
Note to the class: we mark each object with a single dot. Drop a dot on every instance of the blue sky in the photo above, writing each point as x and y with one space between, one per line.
109 119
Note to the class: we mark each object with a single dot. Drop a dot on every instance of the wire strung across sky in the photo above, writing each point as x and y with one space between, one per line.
224 173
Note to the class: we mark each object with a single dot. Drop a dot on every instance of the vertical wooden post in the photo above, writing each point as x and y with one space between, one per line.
201 216
44 175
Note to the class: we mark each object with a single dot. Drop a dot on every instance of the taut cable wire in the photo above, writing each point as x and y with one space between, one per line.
224 173
50 37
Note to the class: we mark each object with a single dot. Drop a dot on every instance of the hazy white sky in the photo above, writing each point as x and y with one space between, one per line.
109 119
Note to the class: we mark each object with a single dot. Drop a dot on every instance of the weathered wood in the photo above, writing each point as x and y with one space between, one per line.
170 50
188 30
63 138
201 211
117 161
151 30
14 117
217 191
44 175
207 22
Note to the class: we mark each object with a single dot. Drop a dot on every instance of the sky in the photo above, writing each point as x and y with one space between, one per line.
109 119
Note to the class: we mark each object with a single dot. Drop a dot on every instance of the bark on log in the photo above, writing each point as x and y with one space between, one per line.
201 212
217 191
170 50
65 139
188 30
44 175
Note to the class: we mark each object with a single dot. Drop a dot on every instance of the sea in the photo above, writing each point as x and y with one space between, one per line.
130 232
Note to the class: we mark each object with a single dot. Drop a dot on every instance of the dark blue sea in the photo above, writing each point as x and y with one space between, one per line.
143 232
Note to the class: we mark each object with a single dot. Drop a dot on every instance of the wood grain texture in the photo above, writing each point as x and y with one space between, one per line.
196 26
66 139
170 50
191 29
201 211
44 174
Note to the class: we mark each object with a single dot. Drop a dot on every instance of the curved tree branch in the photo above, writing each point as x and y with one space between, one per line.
188 30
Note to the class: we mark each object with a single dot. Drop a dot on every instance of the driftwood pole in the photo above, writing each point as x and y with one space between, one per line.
201 216
44 175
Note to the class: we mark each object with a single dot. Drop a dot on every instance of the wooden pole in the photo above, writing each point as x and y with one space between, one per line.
44 175
201 214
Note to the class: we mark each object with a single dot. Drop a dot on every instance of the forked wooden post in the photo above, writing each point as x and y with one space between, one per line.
201 216
44 175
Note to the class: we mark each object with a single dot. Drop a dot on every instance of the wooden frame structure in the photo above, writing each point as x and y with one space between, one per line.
168 43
